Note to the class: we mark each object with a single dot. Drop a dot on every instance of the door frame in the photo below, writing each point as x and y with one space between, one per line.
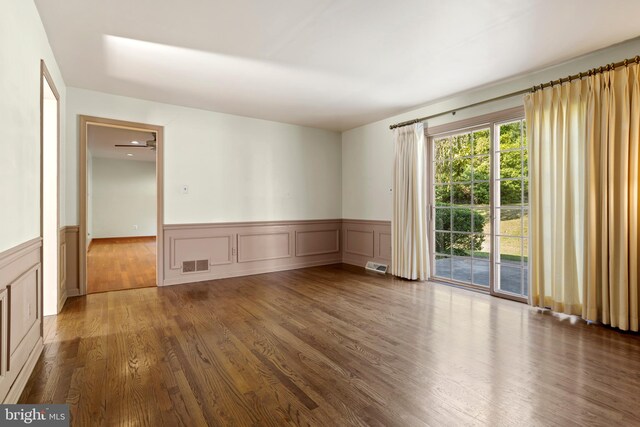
486 120
45 75
85 121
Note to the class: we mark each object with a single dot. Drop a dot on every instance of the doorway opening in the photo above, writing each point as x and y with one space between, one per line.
53 294
121 211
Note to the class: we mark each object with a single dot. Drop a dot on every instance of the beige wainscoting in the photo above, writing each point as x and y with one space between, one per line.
71 242
218 250
244 248
366 241
62 268
20 316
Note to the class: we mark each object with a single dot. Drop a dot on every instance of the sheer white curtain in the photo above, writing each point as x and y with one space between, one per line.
409 227
584 139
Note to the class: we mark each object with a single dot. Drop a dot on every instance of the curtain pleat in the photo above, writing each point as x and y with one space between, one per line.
410 255
584 150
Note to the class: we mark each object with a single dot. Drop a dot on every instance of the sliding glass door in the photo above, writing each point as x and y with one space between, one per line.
479 212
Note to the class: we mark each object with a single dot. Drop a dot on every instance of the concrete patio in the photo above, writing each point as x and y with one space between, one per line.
460 269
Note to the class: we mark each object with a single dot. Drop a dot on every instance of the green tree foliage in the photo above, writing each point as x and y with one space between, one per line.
462 220
461 158
511 163
462 178
481 143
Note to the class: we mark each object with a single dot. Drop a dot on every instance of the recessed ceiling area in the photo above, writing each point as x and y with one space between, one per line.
101 141
330 64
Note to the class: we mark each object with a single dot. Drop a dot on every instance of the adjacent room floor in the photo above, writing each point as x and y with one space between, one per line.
121 263
327 346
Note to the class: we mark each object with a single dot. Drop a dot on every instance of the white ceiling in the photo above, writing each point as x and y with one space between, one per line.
101 141
332 64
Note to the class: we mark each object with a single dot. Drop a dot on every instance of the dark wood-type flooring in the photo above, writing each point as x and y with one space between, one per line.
330 346
121 263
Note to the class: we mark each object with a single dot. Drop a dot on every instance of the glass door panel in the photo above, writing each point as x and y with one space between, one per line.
511 219
461 225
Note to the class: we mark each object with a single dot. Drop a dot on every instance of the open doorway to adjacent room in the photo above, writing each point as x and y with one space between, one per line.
122 216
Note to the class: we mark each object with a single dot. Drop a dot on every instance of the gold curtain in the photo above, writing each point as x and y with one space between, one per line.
555 133
409 248
613 126
584 162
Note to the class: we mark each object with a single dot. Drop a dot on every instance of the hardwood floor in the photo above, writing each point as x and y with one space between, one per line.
121 263
330 346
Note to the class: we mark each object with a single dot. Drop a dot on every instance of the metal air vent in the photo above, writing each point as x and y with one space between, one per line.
195 266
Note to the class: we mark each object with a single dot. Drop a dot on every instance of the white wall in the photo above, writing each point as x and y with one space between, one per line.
237 168
23 43
124 196
367 151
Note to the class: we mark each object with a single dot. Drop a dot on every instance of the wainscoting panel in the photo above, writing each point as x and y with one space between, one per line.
249 248
264 246
5 384
20 316
24 294
71 239
358 242
217 250
366 241
62 268
317 242
384 245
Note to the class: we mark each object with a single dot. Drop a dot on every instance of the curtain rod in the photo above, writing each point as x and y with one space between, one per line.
535 88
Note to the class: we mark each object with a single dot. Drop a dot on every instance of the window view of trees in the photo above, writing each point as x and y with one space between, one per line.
462 201
462 183
513 164
462 171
